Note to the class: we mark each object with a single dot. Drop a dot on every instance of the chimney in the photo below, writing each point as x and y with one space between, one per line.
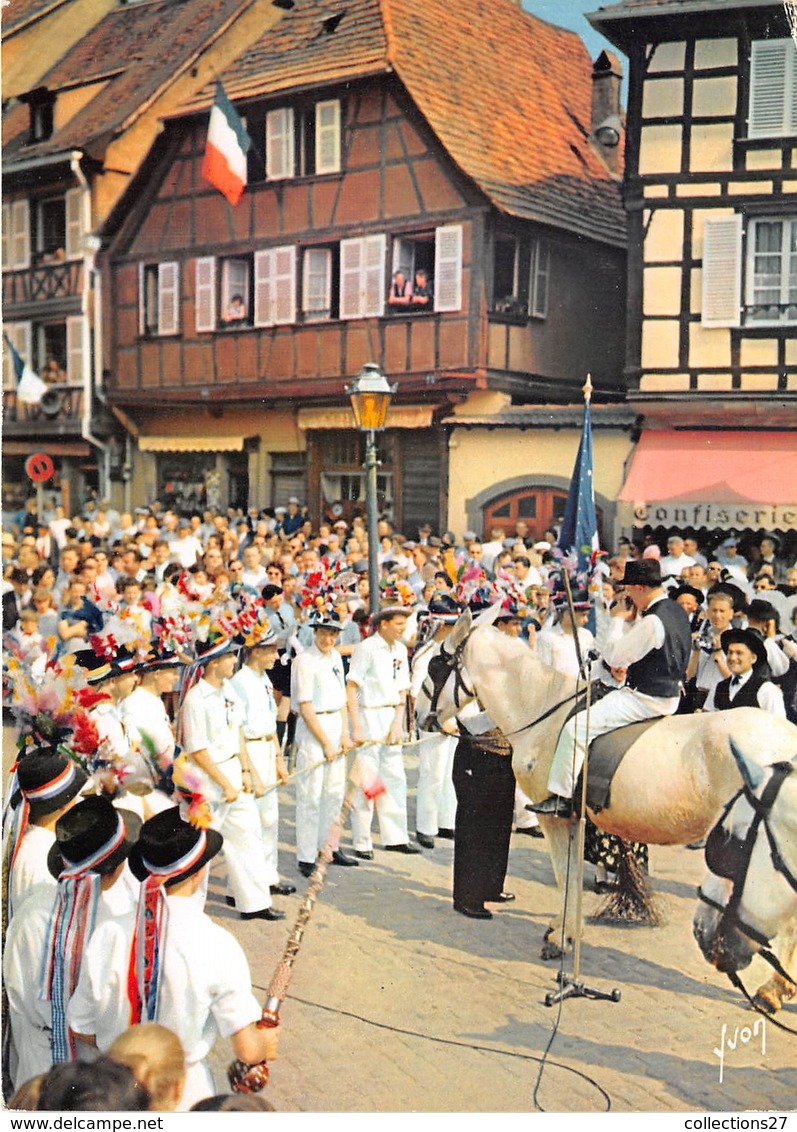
607 123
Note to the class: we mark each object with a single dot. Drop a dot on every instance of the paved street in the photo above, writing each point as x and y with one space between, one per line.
398 1004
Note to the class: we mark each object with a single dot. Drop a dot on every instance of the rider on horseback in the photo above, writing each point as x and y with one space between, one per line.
651 658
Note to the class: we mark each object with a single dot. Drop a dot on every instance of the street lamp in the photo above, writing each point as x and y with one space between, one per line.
370 396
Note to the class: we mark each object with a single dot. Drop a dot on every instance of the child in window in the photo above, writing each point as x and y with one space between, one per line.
237 309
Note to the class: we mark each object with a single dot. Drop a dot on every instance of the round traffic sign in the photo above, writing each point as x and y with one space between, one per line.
39 467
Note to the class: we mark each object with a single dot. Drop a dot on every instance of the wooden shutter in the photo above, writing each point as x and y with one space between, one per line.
74 349
168 298
373 276
205 293
448 268
327 136
773 88
284 285
20 233
74 223
722 271
6 234
351 265
538 282
280 144
264 288
20 335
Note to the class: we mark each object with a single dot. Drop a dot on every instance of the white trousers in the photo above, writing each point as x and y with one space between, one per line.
319 793
263 756
436 802
523 819
387 763
239 824
615 710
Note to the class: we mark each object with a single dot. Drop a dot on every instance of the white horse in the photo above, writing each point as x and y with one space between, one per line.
669 788
749 897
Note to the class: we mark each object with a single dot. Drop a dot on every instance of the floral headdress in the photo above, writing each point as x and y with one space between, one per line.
325 585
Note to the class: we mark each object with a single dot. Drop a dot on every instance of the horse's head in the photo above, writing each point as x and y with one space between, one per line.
445 689
751 853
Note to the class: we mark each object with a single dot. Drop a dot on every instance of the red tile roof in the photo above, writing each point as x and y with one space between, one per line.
19 13
139 48
507 94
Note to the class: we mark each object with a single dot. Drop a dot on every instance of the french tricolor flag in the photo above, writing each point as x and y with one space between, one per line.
224 164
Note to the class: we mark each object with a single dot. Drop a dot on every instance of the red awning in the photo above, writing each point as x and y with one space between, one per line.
713 467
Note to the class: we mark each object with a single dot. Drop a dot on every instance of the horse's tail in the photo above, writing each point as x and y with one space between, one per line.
631 899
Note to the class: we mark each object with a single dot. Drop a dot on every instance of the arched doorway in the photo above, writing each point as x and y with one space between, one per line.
541 508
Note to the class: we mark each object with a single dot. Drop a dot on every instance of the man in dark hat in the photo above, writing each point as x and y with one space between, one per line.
377 686
749 684
189 974
49 784
650 660
212 718
46 939
436 807
318 695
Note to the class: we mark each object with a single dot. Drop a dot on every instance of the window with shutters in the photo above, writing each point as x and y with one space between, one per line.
159 298
236 291
20 335
773 88
320 273
362 276
431 265
56 228
53 350
16 235
771 290
303 140
275 286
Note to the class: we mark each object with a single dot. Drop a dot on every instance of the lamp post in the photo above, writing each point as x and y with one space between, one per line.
370 396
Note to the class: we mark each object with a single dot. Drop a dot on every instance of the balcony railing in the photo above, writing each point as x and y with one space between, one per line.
59 411
43 283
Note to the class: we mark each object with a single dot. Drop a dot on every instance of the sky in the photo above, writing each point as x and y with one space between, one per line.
570 14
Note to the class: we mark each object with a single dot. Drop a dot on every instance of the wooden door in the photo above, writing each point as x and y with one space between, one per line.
540 507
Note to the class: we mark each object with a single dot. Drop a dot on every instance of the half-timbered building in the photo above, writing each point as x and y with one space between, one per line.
426 191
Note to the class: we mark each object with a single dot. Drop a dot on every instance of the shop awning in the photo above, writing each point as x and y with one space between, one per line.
398 416
191 443
730 479
51 447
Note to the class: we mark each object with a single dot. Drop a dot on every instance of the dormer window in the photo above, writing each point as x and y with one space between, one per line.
41 103
302 141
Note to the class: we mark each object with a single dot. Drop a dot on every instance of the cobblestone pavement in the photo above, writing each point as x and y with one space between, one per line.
399 1004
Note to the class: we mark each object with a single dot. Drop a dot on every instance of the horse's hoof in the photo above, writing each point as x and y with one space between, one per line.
766 1001
550 950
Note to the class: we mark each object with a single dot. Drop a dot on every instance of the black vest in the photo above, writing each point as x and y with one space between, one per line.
662 671
747 696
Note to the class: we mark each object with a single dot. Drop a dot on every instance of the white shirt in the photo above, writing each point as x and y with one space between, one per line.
557 648
211 720
257 697
380 671
317 678
185 551
30 872
146 713
670 564
206 988
769 697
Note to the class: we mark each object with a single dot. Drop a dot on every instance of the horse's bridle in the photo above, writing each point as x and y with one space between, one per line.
729 857
445 663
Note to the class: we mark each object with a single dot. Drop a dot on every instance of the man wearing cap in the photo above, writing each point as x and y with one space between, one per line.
556 644
293 519
376 691
185 972
46 939
749 684
49 784
651 658
318 696
253 687
211 720
436 800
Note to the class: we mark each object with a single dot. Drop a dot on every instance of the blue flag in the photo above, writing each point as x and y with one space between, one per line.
579 534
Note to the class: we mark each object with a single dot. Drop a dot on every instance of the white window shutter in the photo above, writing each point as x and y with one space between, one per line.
280 144
142 300
6 223
448 268
773 88
264 288
168 298
722 271
20 335
284 285
74 349
373 277
327 136
20 233
351 270
205 293
540 274
74 223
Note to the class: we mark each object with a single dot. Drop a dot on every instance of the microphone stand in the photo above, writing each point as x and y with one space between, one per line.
572 986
